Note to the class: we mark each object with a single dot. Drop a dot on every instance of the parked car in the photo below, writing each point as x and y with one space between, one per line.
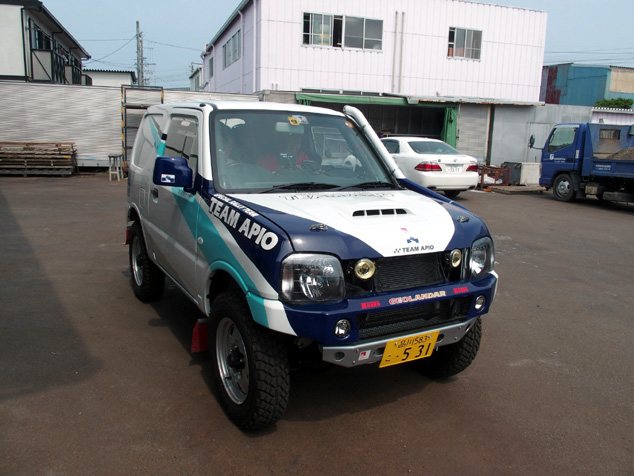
434 164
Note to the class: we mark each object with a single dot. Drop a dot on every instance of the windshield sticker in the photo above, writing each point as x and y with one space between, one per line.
252 230
297 120
315 196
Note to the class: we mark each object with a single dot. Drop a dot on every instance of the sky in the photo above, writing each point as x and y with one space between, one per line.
175 32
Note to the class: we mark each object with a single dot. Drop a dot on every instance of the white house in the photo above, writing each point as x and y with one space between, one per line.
433 67
102 77
36 47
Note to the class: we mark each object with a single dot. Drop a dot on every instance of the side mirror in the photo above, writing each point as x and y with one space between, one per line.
173 172
531 141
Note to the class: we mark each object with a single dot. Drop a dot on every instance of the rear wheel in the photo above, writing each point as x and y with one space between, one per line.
146 278
251 368
452 359
563 188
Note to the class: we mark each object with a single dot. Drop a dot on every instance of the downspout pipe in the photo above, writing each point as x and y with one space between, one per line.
395 52
26 67
255 44
241 52
400 73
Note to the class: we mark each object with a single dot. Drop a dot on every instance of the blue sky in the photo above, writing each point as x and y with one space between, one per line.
175 32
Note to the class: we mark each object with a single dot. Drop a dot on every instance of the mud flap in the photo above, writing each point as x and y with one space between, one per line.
200 337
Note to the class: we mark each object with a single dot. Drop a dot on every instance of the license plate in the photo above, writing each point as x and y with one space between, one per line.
409 348
453 168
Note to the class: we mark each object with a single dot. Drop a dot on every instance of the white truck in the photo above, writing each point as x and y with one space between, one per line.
284 249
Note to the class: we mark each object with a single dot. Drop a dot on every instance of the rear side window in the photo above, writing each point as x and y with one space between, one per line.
182 139
391 146
147 141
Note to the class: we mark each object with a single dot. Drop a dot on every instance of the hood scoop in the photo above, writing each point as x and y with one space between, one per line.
379 212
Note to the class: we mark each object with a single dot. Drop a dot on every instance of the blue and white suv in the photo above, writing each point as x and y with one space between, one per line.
292 228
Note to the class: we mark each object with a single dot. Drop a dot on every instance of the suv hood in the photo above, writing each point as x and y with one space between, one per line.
372 223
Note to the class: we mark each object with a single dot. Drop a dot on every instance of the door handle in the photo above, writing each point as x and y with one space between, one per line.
155 192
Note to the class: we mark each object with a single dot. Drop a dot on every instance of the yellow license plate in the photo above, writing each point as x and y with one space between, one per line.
409 348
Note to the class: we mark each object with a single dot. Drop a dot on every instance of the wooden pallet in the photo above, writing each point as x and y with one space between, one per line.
37 158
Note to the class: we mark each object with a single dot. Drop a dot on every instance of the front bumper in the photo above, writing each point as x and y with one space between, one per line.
372 352
449 308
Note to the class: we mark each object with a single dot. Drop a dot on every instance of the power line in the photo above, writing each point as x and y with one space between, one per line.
175 46
118 49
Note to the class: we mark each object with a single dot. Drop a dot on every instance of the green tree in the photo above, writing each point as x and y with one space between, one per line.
617 103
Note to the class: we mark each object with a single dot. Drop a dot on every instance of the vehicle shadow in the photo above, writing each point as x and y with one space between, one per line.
39 346
319 391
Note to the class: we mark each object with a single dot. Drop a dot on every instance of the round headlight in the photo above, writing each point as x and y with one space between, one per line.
312 278
481 258
456 258
364 269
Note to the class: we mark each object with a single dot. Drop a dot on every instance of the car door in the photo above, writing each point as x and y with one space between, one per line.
173 211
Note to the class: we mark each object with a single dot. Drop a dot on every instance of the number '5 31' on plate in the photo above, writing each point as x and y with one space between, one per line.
409 348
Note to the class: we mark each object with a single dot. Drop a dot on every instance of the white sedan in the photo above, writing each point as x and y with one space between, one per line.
433 164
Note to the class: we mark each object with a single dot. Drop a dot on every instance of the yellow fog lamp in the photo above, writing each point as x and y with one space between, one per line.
455 258
364 269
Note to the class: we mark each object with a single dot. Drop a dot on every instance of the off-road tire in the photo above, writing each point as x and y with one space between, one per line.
250 364
146 278
452 359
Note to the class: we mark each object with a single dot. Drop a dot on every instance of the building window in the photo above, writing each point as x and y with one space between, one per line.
231 50
211 67
464 43
330 30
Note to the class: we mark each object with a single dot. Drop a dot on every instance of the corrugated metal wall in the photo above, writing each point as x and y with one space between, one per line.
473 130
89 116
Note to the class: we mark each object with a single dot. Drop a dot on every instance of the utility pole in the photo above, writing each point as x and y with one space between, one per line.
140 60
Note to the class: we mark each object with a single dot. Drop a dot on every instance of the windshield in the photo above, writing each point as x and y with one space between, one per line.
432 147
266 151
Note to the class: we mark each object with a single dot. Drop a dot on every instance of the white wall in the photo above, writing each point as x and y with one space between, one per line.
513 126
509 69
12 49
108 78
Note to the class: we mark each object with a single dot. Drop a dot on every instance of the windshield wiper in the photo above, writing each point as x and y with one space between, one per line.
367 185
301 186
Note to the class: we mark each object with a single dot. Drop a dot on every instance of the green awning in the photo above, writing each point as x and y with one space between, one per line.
449 129
308 98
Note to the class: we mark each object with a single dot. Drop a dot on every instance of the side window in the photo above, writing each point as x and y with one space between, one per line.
560 138
391 146
182 139
147 141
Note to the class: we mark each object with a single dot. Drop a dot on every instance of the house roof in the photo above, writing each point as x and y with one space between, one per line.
35 6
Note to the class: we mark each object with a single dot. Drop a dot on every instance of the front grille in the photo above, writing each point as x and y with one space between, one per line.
412 318
403 272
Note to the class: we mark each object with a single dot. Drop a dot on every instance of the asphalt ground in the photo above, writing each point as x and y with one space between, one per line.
93 382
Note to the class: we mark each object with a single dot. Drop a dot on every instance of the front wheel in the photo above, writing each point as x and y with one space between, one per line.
452 359
250 368
563 188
